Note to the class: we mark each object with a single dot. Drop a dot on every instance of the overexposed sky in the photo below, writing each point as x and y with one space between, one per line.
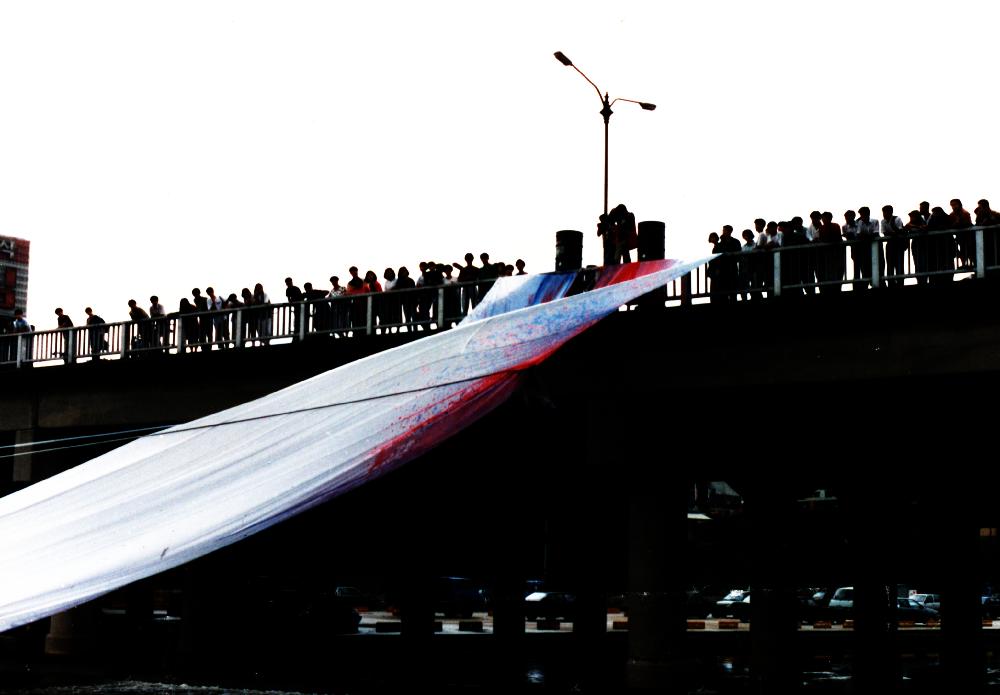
150 147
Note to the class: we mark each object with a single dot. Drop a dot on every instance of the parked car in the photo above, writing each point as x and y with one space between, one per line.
910 609
550 605
459 597
735 604
932 601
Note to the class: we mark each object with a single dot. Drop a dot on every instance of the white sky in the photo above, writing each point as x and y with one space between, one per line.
150 147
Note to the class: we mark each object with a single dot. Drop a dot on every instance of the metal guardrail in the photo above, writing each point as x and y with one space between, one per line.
347 316
876 263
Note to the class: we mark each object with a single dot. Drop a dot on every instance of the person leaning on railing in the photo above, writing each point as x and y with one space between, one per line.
987 217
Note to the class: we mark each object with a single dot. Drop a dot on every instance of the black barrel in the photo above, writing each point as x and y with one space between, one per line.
652 240
652 247
569 250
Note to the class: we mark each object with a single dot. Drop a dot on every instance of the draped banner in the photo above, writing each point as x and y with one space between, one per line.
168 498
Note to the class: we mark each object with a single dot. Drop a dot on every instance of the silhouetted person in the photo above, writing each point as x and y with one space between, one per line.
868 233
519 264
407 300
97 334
896 247
467 273
796 260
204 335
293 295
915 229
925 211
831 262
63 321
249 316
142 328
849 231
941 247
606 231
230 305
320 309
189 324
262 313
961 220
160 329
391 307
625 234
487 274
987 217
219 322
749 273
338 305
359 307
433 282
728 274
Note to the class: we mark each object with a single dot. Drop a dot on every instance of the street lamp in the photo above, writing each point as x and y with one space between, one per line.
606 112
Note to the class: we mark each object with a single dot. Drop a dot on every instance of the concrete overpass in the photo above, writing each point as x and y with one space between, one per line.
585 477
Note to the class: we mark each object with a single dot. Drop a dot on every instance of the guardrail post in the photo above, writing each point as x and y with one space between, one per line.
686 290
125 338
70 346
302 320
440 307
980 255
876 268
21 340
369 317
776 279
238 328
179 333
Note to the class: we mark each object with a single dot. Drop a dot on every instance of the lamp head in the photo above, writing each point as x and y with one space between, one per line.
647 106
563 59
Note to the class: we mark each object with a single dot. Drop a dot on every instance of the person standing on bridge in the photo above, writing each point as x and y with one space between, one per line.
986 217
204 332
141 333
97 334
868 235
961 220
159 316
294 295
895 248
63 321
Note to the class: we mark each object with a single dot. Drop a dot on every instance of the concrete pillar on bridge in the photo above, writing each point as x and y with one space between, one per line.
962 648
23 470
569 250
774 657
71 632
657 579
870 534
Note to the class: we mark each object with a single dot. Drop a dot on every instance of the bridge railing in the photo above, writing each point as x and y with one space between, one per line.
872 263
875 263
348 316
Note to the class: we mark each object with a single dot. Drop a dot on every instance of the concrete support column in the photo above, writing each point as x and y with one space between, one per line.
70 632
872 526
962 649
774 658
657 577
23 463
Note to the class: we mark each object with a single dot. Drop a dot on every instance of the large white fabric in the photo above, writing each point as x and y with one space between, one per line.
168 498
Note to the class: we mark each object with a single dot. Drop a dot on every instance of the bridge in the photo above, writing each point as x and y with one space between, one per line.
585 479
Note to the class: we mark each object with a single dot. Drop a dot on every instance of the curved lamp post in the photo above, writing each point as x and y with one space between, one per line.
606 112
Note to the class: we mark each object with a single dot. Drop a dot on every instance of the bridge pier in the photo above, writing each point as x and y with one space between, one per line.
23 470
774 658
657 578
962 652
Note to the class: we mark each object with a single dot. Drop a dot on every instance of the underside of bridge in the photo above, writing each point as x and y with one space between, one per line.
855 429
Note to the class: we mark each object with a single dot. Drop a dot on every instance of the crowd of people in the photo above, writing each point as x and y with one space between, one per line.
207 318
745 270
